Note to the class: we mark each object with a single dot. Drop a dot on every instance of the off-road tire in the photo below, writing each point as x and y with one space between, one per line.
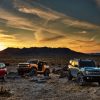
80 80
3 79
99 83
20 73
33 73
69 76
47 72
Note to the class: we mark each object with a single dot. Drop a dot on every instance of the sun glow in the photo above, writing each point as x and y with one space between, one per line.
2 47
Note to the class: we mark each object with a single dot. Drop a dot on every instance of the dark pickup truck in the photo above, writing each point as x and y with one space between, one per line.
84 71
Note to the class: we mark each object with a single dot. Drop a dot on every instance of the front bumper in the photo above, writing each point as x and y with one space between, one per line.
24 70
90 78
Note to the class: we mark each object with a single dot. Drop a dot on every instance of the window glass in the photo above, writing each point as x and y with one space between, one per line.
87 64
2 65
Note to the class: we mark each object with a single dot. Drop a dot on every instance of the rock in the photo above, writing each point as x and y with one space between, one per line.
4 92
41 81
56 70
63 74
47 77
34 79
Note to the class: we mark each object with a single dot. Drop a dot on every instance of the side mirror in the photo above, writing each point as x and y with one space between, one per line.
7 64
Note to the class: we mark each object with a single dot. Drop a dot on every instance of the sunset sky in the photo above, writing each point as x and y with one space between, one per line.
74 24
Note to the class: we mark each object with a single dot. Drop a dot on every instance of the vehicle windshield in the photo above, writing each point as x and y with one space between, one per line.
87 64
33 62
45 63
2 65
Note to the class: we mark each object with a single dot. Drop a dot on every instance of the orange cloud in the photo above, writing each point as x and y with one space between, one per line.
40 26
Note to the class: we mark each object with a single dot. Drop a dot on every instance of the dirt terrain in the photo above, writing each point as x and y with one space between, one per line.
55 88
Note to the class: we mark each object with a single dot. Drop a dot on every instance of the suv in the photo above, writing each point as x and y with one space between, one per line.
3 71
34 67
84 71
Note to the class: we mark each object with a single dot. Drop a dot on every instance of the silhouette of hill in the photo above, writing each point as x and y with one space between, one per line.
43 51
51 55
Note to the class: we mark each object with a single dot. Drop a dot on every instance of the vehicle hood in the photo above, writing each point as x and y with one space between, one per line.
90 69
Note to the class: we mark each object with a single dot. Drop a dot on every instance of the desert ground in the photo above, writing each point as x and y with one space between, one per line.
54 88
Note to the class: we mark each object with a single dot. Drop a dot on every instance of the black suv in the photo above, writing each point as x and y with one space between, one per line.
84 71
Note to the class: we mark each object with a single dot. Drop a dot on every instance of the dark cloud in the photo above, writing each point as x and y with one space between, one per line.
52 39
37 23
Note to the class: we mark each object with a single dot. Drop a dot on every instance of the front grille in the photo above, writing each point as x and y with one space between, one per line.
94 73
23 65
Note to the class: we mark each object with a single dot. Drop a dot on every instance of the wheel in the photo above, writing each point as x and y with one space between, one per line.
3 79
69 76
46 73
80 80
99 83
33 72
20 73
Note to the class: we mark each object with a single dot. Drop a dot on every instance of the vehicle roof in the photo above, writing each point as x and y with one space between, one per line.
81 60
2 63
23 63
35 60
86 60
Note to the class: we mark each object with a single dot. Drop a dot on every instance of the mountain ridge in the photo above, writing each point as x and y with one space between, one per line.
38 51
51 55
